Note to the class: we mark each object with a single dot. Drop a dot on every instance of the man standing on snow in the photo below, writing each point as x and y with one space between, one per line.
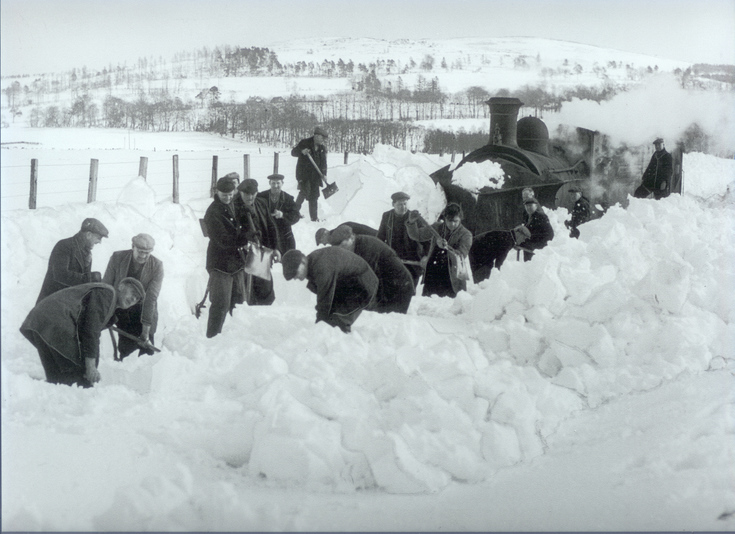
139 320
65 328
343 282
322 235
581 211
307 176
224 263
282 209
70 263
657 176
393 232
395 283
258 227
536 233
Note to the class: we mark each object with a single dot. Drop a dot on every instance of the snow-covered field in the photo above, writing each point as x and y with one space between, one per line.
589 389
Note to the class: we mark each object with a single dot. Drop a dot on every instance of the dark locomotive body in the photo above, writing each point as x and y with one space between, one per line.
523 151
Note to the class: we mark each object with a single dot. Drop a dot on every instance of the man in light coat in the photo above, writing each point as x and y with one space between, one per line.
140 320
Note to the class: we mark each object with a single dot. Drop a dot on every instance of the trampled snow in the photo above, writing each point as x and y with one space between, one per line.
588 389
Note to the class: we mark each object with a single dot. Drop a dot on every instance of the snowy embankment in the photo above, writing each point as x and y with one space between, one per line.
201 435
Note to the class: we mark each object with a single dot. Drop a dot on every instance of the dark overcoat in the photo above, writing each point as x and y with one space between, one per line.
284 238
343 282
659 170
70 264
395 283
459 240
70 320
226 235
306 175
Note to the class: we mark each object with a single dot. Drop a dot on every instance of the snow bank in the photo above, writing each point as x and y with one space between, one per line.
456 390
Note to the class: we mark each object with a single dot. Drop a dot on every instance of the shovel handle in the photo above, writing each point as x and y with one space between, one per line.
321 174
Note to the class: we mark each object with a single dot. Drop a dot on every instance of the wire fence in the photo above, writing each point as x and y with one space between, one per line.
60 177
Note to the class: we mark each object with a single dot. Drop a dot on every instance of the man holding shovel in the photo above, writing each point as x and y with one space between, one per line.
310 168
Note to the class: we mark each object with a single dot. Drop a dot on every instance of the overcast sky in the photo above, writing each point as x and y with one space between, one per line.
52 35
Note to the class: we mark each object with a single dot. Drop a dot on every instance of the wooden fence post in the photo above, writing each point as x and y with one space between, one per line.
346 153
213 188
92 191
176 178
143 167
34 184
452 155
245 166
275 163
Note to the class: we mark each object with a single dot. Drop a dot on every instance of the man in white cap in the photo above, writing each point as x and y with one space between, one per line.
307 176
140 320
70 263
657 176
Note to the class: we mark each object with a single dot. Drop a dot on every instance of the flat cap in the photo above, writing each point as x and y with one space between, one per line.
658 140
225 185
290 262
135 284
94 226
339 234
322 236
144 242
276 177
248 185
400 195
232 176
320 131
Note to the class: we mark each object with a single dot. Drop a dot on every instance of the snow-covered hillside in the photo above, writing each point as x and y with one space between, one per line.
589 389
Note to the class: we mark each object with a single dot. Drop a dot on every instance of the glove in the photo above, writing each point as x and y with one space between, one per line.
413 216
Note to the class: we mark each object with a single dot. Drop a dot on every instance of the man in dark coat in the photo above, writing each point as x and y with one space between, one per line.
393 232
657 176
395 283
65 328
70 263
581 211
343 282
488 250
224 262
536 233
322 235
259 228
308 178
282 209
140 320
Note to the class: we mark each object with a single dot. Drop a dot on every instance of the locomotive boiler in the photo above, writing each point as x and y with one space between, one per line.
528 159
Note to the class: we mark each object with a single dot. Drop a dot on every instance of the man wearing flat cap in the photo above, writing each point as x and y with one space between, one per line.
657 176
281 208
140 320
393 232
224 263
65 328
395 283
581 210
70 263
343 282
536 232
259 228
308 178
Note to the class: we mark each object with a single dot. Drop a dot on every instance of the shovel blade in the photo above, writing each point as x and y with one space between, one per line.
330 190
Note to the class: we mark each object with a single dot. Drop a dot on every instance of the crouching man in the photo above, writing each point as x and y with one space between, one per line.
343 282
395 283
65 328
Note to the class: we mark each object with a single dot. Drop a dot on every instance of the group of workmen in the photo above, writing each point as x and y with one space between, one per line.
361 269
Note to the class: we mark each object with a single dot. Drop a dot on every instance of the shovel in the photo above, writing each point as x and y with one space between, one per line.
330 189
141 343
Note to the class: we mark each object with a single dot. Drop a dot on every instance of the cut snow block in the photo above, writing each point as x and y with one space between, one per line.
500 445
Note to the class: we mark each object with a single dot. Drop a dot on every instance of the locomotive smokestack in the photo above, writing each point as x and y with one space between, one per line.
503 120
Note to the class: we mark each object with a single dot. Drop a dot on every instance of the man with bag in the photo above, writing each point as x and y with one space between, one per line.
446 271
307 173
